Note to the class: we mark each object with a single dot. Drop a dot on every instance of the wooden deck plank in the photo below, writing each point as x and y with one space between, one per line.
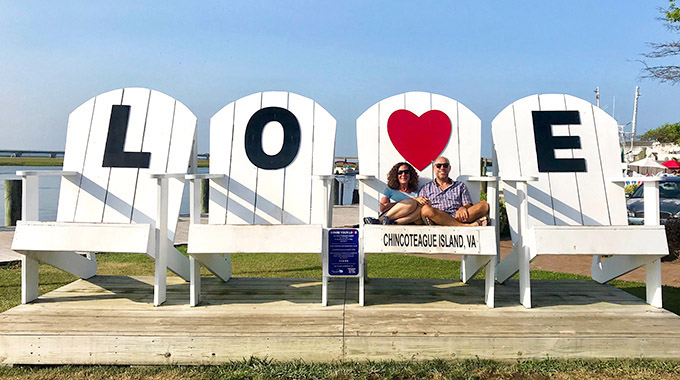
110 320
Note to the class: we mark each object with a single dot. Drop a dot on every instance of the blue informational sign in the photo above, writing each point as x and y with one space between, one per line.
343 252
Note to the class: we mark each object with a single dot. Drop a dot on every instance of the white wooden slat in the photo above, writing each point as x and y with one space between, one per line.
91 237
74 157
470 134
418 103
95 178
322 161
563 186
221 132
159 122
464 148
504 134
592 184
588 240
324 141
387 153
540 201
270 183
367 140
298 183
452 150
210 238
243 174
608 139
181 143
123 181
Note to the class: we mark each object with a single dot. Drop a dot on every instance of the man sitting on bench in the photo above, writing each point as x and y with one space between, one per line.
448 203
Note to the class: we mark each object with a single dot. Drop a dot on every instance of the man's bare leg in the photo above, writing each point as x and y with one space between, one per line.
477 211
441 218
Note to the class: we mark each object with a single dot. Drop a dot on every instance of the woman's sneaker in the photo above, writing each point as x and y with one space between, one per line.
387 221
369 220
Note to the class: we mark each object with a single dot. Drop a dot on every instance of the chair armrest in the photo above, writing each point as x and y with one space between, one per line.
636 179
484 179
167 175
650 197
45 173
29 184
519 179
365 177
203 176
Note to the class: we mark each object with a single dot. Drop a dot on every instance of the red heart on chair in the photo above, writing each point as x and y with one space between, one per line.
419 139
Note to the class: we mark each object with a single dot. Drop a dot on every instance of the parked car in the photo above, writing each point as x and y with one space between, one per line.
669 201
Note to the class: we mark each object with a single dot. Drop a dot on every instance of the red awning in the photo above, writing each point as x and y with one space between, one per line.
671 164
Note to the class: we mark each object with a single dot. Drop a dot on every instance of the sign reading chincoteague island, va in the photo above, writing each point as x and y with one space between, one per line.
423 240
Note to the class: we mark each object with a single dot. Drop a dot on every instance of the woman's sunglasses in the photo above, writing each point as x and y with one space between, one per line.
400 172
439 166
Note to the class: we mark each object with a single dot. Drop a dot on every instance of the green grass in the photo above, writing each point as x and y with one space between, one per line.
261 369
44 161
31 161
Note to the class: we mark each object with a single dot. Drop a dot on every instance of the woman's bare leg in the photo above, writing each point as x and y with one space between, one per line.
412 218
402 209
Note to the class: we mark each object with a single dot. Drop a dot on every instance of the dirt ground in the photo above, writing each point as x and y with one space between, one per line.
670 271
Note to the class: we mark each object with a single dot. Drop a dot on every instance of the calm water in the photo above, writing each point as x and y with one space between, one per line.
48 191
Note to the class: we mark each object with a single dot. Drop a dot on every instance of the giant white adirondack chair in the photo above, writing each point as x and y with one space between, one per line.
418 135
112 209
271 165
564 195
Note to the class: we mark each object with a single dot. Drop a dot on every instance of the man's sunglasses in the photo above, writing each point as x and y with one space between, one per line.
439 166
400 172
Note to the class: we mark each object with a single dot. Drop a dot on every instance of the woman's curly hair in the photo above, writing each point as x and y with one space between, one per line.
393 177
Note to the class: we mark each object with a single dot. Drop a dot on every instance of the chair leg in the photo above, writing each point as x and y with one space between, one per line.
524 278
160 274
653 274
490 283
195 281
324 291
361 290
324 276
363 276
29 279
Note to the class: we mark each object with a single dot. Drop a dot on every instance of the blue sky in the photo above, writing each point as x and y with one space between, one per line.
345 55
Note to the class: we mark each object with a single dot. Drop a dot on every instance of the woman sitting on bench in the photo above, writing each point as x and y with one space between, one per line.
400 203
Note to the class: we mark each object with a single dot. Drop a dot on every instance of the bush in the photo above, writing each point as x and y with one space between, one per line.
503 219
502 215
673 238
629 189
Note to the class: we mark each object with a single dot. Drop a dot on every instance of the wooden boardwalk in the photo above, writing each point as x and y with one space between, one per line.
110 320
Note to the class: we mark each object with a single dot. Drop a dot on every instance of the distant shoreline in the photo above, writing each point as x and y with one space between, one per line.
44 161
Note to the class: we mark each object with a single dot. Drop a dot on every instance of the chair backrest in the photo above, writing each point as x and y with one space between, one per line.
111 127
417 127
269 145
573 148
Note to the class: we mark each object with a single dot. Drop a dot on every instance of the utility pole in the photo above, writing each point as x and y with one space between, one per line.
635 108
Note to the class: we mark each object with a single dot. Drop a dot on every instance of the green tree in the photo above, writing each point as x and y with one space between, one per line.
667 133
672 13
665 73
